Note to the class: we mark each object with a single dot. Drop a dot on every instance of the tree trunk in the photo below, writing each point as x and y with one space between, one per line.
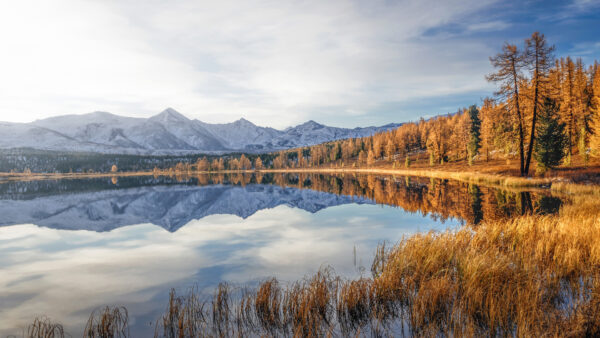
521 141
533 119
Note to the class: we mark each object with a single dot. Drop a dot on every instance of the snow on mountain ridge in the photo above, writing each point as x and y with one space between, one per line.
168 132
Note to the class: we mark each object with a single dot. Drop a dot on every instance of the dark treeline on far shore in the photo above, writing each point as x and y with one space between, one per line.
46 161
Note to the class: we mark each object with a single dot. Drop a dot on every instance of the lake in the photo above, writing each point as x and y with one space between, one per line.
68 247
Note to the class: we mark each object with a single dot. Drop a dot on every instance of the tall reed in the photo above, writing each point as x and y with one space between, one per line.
43 327
108 323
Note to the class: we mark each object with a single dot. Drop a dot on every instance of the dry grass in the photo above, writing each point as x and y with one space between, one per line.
43 327
576 189
108 323
267 306
184 317
530 276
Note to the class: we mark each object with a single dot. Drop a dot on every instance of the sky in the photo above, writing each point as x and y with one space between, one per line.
275 63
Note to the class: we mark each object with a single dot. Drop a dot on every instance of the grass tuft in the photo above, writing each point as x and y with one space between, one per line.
43 327
108 323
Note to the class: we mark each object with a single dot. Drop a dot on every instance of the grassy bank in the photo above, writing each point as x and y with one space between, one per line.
471 177
465 176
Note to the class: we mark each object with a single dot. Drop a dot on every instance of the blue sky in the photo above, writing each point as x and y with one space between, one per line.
276 63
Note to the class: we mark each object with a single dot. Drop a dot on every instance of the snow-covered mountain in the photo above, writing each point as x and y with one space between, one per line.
170 207
166 133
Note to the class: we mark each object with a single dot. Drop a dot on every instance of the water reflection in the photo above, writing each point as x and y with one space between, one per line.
66 274
171 202
239 228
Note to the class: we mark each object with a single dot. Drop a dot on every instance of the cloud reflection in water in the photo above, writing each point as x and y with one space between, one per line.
66 274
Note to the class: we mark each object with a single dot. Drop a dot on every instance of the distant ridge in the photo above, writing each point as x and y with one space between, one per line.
168 132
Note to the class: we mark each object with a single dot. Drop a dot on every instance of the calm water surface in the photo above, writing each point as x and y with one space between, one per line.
69 247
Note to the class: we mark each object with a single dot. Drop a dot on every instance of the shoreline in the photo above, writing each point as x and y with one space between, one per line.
498 180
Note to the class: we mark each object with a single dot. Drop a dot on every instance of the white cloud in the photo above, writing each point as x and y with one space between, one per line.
488 26
271 62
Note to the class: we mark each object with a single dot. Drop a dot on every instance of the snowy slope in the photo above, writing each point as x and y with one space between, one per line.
166 133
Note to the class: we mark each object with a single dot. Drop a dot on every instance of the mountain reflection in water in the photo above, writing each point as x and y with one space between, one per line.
103 204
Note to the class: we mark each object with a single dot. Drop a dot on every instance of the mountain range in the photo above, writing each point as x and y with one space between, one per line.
166 133
170 207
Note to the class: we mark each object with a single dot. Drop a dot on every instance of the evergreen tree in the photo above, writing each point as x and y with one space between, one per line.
551 137
474 133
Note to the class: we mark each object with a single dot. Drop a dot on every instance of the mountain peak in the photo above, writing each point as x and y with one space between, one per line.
170 114
311 124
244 122
101 114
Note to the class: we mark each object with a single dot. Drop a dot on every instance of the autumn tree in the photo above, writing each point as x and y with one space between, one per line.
218 164
316 155
438 140
362 157
335 152
509 64
280 161
301 162
370 157
390 148
458 132
114 168
244 163
488 126
234 164
202 164
567 110
582 108
258 164
348 149
377 147
180 167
